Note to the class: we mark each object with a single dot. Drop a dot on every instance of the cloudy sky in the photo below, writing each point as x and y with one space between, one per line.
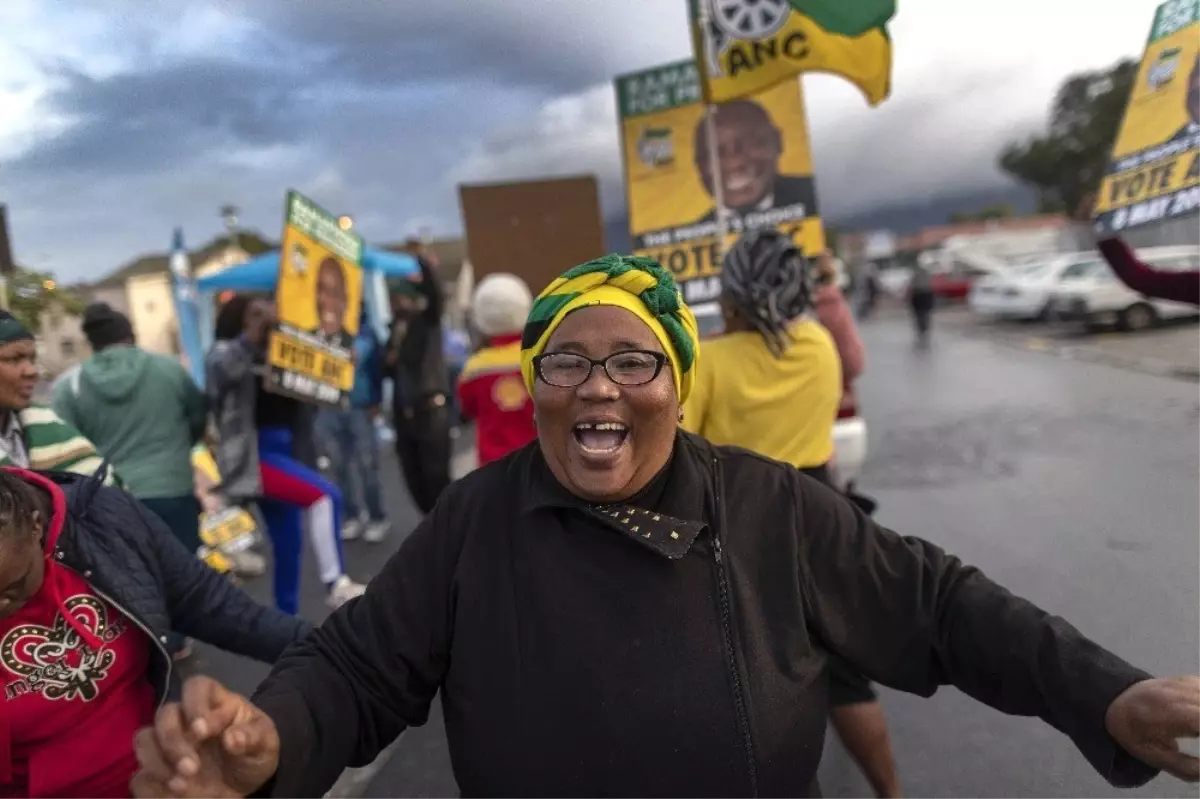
121 119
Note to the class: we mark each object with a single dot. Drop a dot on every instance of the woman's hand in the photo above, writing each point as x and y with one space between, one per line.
1148 718
214 743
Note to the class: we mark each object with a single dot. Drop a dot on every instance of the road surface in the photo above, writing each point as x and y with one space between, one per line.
1073 483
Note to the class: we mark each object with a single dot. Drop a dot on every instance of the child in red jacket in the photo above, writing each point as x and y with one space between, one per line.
490 388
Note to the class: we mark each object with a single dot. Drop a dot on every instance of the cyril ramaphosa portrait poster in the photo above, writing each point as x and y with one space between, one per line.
1154 173
318 296
764 171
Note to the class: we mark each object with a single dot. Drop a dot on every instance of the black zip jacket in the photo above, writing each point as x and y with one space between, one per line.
419 369
129 555
601 652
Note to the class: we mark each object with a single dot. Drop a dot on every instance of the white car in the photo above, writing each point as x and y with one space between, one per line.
1027 290
1097 297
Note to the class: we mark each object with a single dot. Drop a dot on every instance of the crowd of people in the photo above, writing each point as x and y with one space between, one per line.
652 568
663 612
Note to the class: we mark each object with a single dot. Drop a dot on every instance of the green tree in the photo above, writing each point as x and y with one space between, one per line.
31 292
1066 163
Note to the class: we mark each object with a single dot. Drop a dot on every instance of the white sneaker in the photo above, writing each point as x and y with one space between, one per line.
344 589
248 563
352 529
377 531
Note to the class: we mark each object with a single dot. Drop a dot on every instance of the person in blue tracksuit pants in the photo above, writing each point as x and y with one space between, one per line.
261 455
348 437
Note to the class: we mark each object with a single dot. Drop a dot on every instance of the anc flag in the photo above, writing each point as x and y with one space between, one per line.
754 44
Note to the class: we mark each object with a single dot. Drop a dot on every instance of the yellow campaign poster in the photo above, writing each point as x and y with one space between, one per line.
1154 173
224 530
750 45
318 297
765 172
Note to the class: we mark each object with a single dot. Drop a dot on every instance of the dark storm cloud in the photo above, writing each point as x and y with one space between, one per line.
551 46
136 122
942 135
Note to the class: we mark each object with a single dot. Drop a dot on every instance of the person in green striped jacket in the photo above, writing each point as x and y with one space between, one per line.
33 436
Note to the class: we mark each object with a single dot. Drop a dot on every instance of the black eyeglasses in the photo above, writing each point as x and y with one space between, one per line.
628 368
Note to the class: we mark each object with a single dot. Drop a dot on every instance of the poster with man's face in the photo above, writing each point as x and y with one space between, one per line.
762 173
1154 173
318 299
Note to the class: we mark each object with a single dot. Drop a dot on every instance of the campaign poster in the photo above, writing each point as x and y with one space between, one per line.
1154 173
224 530
317 298
765 172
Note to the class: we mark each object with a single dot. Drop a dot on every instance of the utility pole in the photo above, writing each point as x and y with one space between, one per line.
229 215
7 265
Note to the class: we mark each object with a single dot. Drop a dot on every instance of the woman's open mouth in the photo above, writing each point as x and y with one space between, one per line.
599 441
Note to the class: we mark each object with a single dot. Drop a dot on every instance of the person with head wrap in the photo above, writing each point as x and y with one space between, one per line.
491 389
773 381
773 384
33 436
622 608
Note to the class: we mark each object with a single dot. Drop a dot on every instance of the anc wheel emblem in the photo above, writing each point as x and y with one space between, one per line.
750 19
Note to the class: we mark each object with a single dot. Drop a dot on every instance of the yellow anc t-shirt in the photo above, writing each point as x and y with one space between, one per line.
784 408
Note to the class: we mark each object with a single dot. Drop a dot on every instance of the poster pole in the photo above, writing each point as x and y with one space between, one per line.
710 129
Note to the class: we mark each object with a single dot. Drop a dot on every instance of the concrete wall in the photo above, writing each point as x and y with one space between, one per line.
152 312
60 341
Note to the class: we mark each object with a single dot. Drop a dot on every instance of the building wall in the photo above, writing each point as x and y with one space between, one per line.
60 341
152 312
151 303
114 297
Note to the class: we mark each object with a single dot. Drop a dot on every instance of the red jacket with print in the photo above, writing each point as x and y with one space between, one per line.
492 392
75 684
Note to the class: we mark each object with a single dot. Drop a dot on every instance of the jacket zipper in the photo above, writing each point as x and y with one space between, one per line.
739 699
58 554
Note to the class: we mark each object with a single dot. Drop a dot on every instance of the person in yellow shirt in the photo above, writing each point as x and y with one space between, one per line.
772 384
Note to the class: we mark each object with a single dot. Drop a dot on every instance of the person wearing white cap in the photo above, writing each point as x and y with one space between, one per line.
491 390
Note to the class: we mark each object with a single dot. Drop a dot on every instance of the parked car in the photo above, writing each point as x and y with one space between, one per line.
1097 298
955 283
1027 290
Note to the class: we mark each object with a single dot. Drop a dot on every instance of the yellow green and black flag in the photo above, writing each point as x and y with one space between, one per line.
752 45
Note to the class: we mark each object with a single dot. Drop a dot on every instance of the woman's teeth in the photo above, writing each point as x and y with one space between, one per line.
600 437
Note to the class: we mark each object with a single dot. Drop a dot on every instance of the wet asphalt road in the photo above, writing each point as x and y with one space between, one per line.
1074 484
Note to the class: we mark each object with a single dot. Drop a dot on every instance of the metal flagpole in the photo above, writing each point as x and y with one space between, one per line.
710 127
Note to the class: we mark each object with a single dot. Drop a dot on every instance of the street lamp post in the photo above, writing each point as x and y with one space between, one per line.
229 215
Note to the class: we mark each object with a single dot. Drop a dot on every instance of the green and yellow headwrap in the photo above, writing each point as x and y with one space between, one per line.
640 286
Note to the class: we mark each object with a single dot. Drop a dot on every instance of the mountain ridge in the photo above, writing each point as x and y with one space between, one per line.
900 218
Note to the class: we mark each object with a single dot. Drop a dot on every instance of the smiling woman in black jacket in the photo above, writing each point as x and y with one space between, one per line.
90 585
624 609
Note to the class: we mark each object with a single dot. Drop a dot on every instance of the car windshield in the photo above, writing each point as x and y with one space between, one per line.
1083 269
1026 271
